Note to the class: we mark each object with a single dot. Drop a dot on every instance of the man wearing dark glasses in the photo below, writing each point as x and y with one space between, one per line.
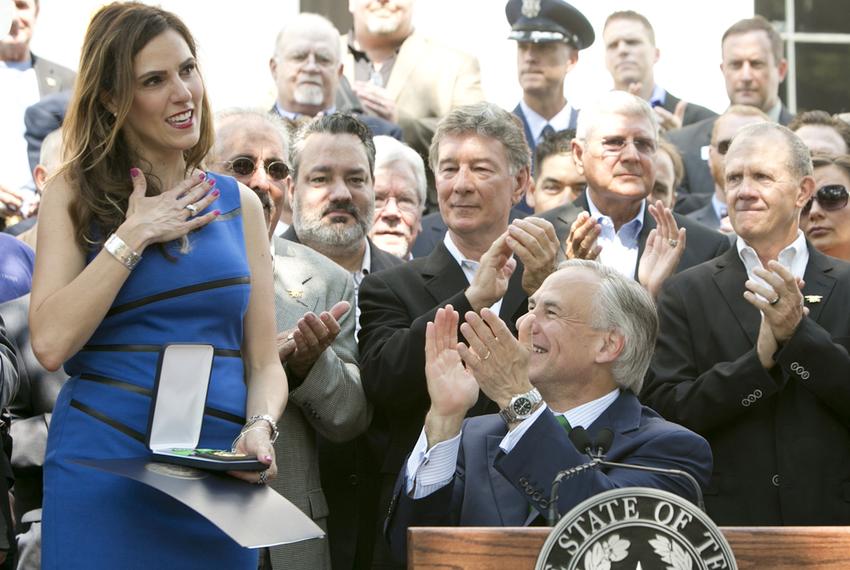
753 350
251 147
715 214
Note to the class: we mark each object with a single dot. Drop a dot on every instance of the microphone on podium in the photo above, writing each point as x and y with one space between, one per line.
596 450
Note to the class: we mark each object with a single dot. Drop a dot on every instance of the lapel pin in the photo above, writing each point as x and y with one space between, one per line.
295 293
813 298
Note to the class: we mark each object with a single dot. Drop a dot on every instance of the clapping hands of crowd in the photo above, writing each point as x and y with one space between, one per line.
664 248
173 213
780 300
376 100
300 347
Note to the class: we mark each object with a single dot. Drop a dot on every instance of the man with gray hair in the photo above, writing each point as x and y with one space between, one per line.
760 366
615 147
307 72
579 361
481 166
400 188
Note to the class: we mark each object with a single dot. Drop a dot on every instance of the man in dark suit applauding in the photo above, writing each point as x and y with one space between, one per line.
583 349
759 364
615 149
481 165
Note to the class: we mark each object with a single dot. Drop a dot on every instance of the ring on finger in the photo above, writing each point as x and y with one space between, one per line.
263 477
193 209
773 302
486 356
673 242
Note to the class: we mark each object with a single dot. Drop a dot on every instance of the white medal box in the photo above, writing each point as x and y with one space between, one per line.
253 515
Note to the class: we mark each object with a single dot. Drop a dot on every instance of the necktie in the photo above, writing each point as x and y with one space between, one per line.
548 131
564 423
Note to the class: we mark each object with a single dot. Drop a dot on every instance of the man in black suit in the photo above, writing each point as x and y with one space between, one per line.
307 70
630 55
753 67
759 364
615 148
481 165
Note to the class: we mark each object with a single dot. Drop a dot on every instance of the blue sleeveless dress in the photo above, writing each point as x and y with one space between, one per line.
93 519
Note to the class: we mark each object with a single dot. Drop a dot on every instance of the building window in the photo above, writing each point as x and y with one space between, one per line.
817 40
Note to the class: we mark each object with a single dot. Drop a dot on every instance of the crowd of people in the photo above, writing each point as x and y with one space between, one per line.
412 294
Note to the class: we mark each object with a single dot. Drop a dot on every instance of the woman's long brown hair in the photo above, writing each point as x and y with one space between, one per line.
97 156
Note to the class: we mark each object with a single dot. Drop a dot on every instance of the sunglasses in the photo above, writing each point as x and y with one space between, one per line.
830 198
244 166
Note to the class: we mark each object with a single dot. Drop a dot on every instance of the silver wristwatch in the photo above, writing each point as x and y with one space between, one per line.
521 406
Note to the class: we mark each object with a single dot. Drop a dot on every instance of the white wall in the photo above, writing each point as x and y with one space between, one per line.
236 39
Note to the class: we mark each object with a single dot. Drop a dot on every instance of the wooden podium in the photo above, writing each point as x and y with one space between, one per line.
491 548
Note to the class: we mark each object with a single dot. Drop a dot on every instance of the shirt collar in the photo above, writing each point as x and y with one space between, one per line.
794 257
292 115
365 265
658 97
720 209
775 112
464 262
630 229
585 414
536 122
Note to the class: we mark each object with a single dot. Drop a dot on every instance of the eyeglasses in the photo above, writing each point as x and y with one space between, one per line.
616 145
830 198
404 203
244 166
723 146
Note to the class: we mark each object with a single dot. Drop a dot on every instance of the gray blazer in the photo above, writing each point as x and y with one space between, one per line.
329 401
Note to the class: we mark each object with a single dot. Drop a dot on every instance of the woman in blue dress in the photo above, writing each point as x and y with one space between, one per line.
140 248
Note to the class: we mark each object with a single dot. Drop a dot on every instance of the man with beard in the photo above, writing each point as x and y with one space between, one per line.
333 196
306 69
333 203
404 76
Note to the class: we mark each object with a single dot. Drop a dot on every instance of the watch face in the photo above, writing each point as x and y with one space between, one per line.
522 406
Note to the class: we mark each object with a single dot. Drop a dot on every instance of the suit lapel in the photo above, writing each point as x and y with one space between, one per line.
819 281
511 512
405 61
292 284
532 144
729 276
443 276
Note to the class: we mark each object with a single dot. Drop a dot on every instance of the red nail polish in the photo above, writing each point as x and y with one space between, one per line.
216 192
134 172
216 212
211 181
202 175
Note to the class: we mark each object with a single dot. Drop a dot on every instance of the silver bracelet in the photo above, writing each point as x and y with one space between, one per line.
122 252
263 418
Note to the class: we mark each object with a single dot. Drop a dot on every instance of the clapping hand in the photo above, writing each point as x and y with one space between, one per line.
781 304
581 241
497 360
301 346
534 242
664 248
493 276
452 389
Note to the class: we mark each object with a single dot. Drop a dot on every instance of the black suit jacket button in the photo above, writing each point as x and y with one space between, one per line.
775 480
352 480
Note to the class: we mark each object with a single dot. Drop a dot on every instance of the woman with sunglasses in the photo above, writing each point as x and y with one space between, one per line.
138 249
826 217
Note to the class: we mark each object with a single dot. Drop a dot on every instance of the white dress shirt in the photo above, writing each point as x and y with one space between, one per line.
468 266
619 248
795 258
536 122
429 470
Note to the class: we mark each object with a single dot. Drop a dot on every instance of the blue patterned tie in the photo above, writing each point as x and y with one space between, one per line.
548 131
